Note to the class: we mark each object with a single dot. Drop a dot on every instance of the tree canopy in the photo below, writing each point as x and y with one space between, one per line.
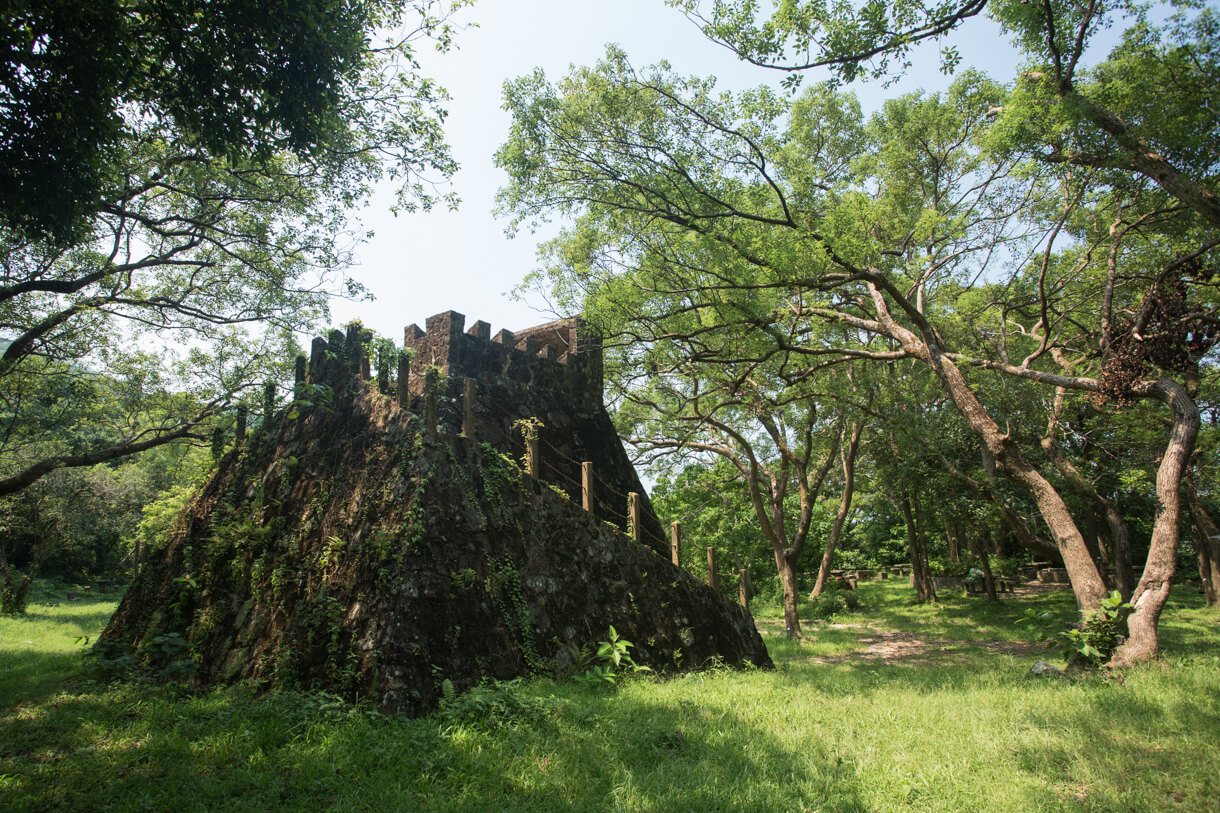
237 80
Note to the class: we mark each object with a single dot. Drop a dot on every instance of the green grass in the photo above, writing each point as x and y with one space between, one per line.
956 726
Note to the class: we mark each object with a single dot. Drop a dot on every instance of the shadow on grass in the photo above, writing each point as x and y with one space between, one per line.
957 616
232 750
961 641
1144 745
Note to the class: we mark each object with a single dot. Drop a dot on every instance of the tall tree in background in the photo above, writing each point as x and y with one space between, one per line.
777 438
212 155
1145 111
925 234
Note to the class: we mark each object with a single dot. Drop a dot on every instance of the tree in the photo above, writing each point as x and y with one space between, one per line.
217 231
1144 111
239 80
896 237
779 442
77 521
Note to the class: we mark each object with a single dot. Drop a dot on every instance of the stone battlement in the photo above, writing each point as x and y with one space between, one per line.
529 354
550 374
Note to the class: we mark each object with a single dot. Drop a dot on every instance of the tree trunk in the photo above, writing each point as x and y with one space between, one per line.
1207 576
1086 581
788 587
849 477
1153 589
953 536
1207 544
978 550
15 585
921 578
1120 536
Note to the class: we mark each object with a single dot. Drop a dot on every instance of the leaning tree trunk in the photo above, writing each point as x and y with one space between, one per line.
836 530
1153 589
1120 536
1087 584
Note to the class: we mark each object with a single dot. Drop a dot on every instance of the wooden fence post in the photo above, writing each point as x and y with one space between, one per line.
431 416
468 395
533 459
633 515
712 581
675 544
586 485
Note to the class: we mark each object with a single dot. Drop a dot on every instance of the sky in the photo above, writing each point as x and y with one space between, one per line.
420 264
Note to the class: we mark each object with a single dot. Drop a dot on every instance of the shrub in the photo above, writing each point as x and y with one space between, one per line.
1091 642
492 705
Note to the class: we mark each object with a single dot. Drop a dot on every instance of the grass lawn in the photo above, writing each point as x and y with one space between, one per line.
896 707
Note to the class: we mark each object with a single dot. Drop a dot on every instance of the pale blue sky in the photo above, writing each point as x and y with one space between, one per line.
421 264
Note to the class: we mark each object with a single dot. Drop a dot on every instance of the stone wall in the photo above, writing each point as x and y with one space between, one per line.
552 373
345 547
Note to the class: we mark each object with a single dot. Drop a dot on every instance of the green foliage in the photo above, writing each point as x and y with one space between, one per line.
159 515
165 657
493 705
220 163
615 657
940 566
87 521
833 602
1089 643
748 250
504 583
223 79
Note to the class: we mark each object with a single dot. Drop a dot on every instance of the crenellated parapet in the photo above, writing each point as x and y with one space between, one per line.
549 374
563 354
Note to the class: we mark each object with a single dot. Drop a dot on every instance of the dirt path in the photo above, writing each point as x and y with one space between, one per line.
890 647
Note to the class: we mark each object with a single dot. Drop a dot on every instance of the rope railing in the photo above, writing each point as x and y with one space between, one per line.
607 486
548 444
551 467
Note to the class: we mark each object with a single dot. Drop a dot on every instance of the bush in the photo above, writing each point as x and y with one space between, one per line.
1007 566
1090 643
767 601
835 600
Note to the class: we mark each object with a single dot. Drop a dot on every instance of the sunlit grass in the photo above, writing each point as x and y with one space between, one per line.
828 729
